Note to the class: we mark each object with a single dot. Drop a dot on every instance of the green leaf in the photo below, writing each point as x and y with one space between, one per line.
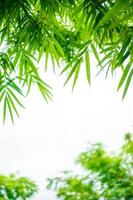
128 83
88 72
2 95
122 54
74 60
118 6
30 82
16 59
72 70
59 48
38 79
41 52
10 110
5 108
124 76
46 59
12 103
96 54
16 99
14 86
76 76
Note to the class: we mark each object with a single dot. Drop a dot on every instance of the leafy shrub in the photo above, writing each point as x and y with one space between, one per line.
106 176
13 188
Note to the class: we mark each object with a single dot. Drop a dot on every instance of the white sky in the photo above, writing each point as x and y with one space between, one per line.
48 137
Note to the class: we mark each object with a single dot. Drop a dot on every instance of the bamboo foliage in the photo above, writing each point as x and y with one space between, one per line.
65 31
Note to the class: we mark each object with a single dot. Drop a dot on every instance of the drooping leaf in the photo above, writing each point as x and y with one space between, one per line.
128 83
88 72
124 76
76 74
73 70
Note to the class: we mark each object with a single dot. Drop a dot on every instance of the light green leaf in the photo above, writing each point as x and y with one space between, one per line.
76 76
16 99
10 110
72 70
12 103
128 83
124 76
88 72
96 54
46 59
5 109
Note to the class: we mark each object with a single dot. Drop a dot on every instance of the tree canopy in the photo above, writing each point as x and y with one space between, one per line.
104 175
65 31
15 188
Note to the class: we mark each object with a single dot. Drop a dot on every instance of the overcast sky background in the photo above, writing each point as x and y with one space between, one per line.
48 137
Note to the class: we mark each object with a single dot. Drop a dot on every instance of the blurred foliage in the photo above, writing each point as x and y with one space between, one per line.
105 176
67 32
13 188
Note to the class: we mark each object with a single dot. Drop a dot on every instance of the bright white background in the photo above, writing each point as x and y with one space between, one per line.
48 137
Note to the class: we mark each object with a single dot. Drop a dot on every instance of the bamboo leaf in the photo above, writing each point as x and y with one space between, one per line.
16 59
46 59
29 85
2 95
96 54
16 99
124 76
15 87
5 109
72 70
12 103
118 6
76 76
10 110
128 83
88 72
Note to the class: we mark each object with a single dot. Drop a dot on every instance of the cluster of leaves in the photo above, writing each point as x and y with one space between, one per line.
13 188
65 31
105 176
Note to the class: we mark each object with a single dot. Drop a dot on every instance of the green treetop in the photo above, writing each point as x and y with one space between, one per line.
105 176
